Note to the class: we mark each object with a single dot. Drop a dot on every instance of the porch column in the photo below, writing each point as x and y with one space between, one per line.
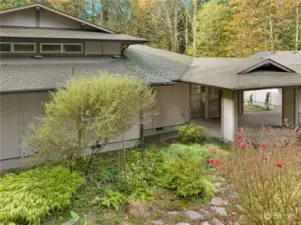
229 114
240 103
290 105
206 102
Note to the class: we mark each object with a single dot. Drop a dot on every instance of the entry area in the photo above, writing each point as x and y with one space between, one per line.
222 112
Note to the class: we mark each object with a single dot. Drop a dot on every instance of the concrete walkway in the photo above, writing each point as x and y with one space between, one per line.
253 121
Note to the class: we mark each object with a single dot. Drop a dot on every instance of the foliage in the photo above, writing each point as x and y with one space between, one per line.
211 37
86 114
190 133
180 168
184 170
266 175
112 199
30 196
202 28
77 218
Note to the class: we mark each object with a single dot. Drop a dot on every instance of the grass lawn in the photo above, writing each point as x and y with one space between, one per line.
255 108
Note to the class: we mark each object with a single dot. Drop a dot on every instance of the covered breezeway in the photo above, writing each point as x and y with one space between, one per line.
253 121
218 86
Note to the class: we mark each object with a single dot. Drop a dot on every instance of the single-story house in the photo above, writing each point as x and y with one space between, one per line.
41 48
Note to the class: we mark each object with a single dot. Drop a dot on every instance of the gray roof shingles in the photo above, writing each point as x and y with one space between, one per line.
147 64
223 73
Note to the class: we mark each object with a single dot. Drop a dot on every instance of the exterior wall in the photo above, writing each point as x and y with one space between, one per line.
111 48
26 18
53 20
260 95
102 48
93 47
173 105
229 117
17 110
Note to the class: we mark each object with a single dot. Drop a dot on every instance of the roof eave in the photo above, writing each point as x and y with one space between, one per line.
58 12
132 41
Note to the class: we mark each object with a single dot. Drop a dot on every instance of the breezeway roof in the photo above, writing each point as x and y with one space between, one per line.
224 73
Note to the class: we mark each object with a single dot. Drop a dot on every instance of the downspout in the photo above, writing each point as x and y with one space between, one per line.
123 49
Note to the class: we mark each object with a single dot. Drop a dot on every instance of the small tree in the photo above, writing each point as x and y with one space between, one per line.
82 117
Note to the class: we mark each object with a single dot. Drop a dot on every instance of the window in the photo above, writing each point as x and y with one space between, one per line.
72 48
5 47
51 48
23 47
18 47
61 48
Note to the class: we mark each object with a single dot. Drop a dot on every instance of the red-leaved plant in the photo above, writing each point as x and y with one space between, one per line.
265 170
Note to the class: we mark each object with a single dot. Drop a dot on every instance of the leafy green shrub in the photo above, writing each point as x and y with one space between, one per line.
184 170
190 133
29 196
112 199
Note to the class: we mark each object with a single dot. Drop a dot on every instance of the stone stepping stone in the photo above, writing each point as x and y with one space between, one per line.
206 223
173 212
220 211
183 223
193 215
157 222
217 201
216 221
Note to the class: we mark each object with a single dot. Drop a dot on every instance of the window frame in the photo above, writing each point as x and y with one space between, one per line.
12 47
61 47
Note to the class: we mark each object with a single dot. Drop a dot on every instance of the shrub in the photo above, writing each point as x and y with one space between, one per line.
112 199
266 175
184 170
190 133
29 196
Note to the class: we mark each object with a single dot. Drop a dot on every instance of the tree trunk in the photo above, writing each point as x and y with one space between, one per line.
176 42
195 14
93 11
186 27
271 34
297 25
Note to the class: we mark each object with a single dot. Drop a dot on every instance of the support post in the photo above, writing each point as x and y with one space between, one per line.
290 105
229 116
206 103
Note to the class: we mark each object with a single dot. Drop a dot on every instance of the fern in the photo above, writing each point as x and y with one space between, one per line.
30 196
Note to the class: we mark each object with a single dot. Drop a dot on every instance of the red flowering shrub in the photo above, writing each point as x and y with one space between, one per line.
265 171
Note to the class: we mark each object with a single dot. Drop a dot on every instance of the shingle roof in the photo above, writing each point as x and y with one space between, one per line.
51 73
159 63
147 64
223 73
291 59
26 32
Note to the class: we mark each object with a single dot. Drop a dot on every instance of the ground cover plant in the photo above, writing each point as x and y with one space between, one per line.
181 171
190 133
266 174
28 197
